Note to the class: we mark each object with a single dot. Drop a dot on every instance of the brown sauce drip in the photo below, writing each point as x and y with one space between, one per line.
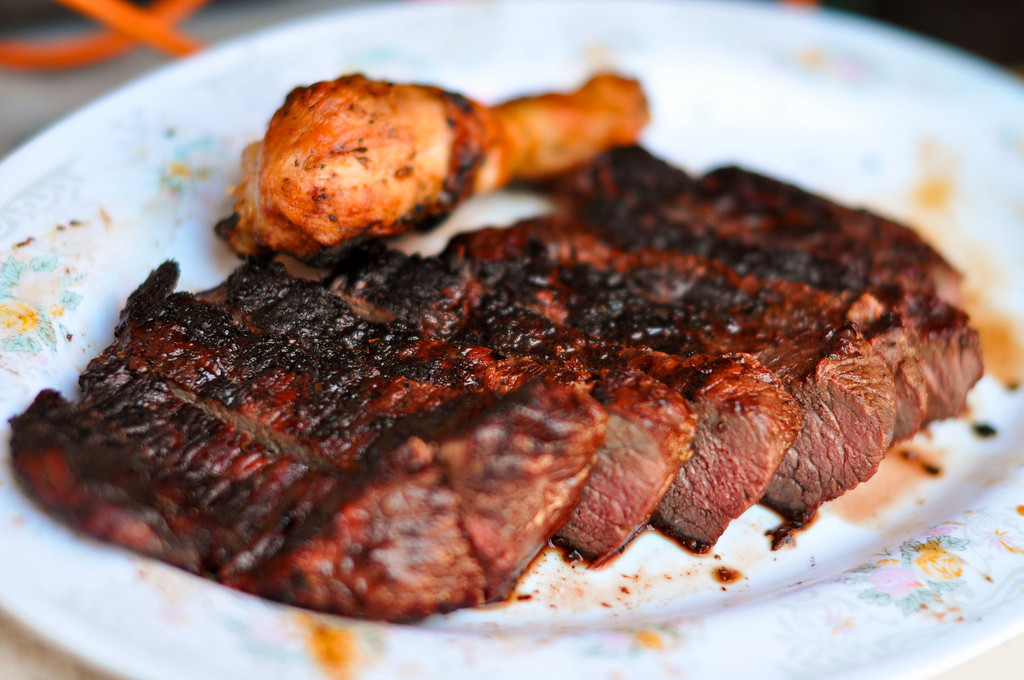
934 194
784 535
898 476
914 458
727 575
931 210
1000 346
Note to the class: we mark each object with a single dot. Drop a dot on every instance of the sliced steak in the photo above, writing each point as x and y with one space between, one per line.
648 438
747 421
650 426
683 304
214 435
763 227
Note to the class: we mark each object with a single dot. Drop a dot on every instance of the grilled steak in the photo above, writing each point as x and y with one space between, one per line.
473 487
747 423
760 226
630 476
505 279
682 304
222 436
402 438
635 467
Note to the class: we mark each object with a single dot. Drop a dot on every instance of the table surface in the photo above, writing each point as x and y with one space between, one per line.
32 101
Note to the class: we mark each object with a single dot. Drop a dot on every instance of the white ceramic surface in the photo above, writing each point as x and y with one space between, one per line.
905 576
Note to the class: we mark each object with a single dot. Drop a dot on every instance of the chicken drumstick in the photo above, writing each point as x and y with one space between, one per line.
355 158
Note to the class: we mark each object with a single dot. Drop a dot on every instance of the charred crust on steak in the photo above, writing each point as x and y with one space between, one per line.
766 228
219 438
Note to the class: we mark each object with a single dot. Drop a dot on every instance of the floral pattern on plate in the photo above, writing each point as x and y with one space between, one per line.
925 570
34 296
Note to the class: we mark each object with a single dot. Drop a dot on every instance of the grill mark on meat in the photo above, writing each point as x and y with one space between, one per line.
164 488
273 442
394 550
758 214
484 458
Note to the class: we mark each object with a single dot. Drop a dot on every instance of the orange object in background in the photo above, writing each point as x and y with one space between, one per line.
128 26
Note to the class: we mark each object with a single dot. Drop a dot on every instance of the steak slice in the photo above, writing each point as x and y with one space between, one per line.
747 422
677 303
494 476
648 439
760 226
215 435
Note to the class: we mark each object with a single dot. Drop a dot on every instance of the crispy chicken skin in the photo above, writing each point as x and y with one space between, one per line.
354 158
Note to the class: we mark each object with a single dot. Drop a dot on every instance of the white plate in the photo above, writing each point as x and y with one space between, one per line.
933 574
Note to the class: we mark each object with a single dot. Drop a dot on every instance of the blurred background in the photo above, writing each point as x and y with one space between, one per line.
32 99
